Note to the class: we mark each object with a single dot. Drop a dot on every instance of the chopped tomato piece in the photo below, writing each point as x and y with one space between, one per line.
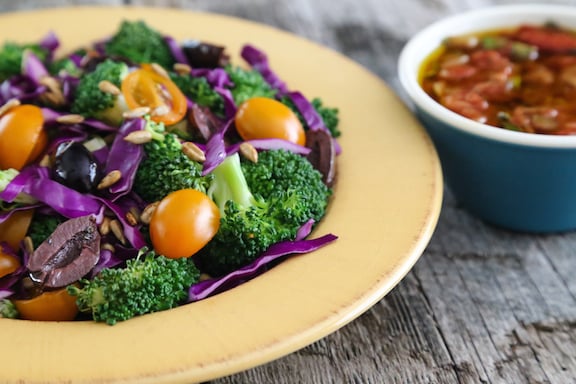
145 87
13 230
22 136
8 263
48 306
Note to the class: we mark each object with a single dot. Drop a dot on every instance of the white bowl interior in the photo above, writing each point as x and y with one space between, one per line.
427 40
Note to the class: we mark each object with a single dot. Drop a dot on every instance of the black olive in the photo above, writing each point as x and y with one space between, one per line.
204 55
75 167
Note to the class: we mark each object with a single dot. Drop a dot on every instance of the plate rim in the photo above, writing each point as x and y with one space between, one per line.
336 320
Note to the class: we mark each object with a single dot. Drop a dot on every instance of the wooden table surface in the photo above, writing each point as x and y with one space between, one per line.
482 305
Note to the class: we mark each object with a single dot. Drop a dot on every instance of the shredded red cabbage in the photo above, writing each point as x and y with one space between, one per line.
36 182
310 115
50 42
267 144
215 150
5 215
19 87
176 50
216 77
33 67
51 117
125 156
259 61
277 251
120 208
109 259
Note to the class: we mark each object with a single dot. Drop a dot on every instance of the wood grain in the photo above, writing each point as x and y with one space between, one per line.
482 305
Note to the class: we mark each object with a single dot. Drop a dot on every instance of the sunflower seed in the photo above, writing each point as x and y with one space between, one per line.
117 230
160 110
248 151
131 218
136 112
8 106
28 245
110 179
108 247
147 212
139 137
107 86
193 152
45 161
51 83
54 98
182 69
70 119
159 70
105 226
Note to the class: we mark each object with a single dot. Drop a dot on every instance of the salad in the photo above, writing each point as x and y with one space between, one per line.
140 173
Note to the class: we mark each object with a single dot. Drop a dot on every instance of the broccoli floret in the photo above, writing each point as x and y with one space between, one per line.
149 283
8 309
42 226
165 168
247 227
254 217
11 58
248 84
139 43
199 91
90 101
67 65
329 115
290 181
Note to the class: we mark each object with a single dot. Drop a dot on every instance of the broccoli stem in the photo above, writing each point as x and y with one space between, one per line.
230 185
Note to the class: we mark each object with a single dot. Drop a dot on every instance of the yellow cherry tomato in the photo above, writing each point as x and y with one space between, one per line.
14 229
8 263
22 136
265 118
48 306
144 87
183 223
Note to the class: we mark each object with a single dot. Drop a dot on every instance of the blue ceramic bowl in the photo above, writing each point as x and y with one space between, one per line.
520 181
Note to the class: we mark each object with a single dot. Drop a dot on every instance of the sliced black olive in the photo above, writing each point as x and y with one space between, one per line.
204 55
67 255
204 122
75 167
322 154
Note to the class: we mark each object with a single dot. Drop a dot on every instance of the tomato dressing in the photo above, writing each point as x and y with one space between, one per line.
522 79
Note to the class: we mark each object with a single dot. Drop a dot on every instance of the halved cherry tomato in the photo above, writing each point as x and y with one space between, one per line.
146 88
13 230
22 136
265 118
8 263
48 306
183 223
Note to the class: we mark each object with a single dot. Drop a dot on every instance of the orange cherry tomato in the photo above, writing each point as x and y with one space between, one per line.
146 88
183 223
265 118
8 263
22 136
48 306
14 229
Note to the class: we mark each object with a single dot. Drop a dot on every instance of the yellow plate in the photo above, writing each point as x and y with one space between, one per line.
386 206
